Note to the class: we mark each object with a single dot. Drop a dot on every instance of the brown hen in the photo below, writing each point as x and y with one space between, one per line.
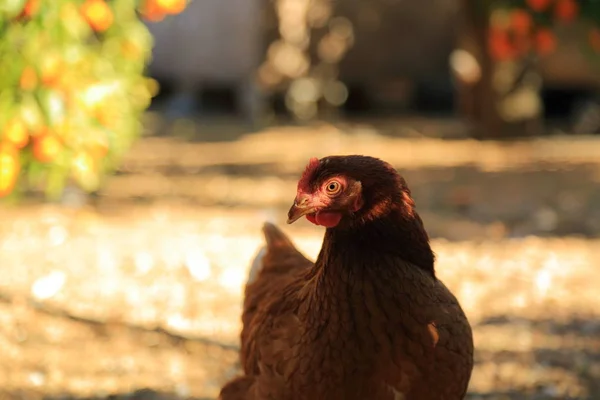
369 319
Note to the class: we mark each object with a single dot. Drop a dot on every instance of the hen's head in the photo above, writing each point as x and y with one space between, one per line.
349 190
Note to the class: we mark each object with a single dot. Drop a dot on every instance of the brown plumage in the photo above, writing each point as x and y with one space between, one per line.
369 319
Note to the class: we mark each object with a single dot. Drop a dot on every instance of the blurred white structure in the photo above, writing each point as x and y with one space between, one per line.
216 41
399 48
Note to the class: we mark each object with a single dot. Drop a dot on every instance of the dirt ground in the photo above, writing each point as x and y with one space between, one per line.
139 295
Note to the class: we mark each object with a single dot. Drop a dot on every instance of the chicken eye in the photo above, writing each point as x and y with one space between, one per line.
333 187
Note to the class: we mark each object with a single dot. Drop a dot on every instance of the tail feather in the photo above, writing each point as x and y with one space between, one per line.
279 253
257 265
275 237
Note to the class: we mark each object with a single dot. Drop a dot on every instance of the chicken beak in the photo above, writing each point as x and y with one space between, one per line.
302 206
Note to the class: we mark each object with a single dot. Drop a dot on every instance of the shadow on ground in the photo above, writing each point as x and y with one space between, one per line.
538 358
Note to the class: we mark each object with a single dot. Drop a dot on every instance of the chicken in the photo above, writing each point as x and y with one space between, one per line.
369 319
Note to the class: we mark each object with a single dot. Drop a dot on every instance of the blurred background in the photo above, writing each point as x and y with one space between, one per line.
144 142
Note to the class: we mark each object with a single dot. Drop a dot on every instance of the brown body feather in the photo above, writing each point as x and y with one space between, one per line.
368 320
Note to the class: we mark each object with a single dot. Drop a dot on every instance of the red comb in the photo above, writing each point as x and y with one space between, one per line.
304 182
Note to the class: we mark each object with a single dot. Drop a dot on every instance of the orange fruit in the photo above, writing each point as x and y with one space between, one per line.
97 145
152 12
522 44
50 70
16 133
520 22
500 46
545 41
538 5
46 147
98 14
104 118
594 39
28 79
31 7
566 10
171 6
66 83
109 117
98 150
9 169
154 16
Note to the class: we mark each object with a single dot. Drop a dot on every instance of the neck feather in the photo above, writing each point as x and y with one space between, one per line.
397 235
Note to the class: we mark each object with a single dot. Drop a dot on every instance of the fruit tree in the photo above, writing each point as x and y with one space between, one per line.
507 38
72 88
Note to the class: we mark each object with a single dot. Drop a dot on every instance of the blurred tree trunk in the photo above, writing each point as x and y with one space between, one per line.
479 101
476 100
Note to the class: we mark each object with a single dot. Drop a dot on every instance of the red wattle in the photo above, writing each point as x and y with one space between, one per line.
325 218
328 219
312 219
